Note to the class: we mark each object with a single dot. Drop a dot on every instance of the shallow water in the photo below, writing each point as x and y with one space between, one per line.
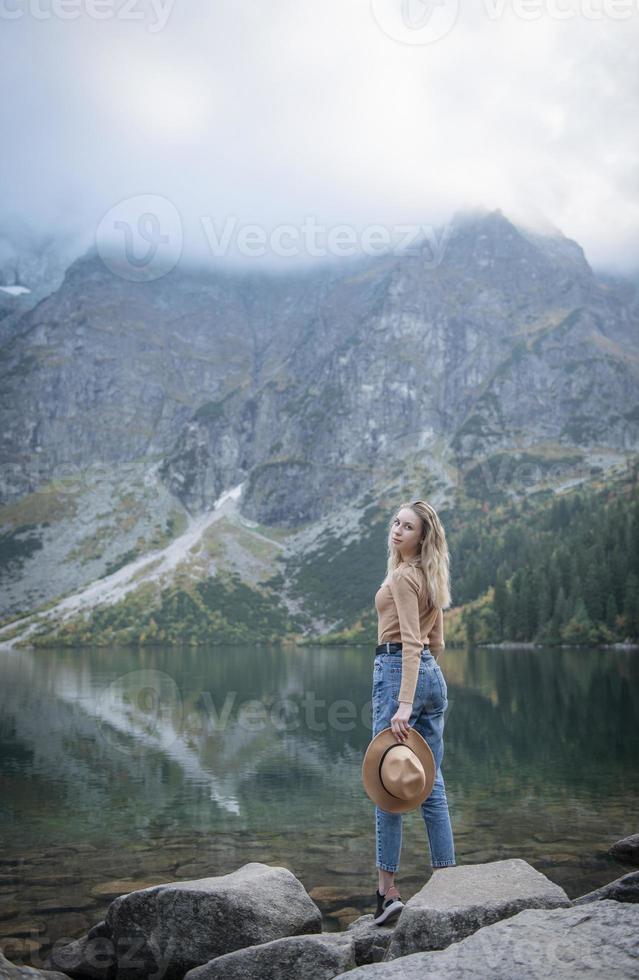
122 768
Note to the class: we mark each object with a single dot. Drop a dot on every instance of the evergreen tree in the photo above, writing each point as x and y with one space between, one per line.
469 622
530 593
558 566
611 611
544 604
631 605
519 612
500 602
578 628
510 617
591 590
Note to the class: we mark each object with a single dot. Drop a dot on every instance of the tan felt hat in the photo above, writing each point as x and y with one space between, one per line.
398 776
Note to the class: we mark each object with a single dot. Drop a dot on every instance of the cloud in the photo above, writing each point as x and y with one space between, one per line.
272 113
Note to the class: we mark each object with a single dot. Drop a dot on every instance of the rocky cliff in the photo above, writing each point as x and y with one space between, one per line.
311 392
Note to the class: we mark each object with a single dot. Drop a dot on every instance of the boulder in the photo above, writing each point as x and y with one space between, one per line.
319 957
370 940
624 889
457 901
626 850
163 931
10 971
87 958
100 929
597 940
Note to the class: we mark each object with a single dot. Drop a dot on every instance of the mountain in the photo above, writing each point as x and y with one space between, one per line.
263 413
32 266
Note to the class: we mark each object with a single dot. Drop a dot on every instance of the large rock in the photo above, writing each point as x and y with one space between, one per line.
313 956
165 930
11 971
457 901
91 957
317 957
371 941
624 889
626 850
598 940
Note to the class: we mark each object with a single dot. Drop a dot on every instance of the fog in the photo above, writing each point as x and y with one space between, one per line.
199 118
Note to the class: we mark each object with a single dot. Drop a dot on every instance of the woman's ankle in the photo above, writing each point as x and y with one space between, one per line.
386 884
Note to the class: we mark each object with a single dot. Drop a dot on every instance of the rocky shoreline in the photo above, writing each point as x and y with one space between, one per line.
501 919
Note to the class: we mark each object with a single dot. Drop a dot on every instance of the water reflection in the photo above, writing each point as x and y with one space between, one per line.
261 749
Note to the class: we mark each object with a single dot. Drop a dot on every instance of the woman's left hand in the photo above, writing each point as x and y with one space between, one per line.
399 721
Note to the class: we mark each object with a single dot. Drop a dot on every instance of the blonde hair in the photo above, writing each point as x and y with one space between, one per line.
433 559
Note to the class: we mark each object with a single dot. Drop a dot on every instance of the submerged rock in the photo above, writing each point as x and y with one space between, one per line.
624 889
626 850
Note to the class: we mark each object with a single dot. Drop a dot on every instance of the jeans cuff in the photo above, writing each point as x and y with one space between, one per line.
445 864
384 867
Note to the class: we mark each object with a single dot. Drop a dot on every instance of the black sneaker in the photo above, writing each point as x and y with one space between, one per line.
387 908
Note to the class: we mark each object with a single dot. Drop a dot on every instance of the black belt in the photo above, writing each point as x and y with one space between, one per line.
388 648
391 648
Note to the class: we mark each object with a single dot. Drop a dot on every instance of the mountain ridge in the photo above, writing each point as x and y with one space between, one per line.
311 390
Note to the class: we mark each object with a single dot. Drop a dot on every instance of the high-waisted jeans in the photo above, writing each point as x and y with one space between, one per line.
427 718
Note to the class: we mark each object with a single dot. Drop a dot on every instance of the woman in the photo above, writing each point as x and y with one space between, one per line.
409 689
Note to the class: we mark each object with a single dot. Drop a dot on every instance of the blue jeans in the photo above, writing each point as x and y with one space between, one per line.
427 718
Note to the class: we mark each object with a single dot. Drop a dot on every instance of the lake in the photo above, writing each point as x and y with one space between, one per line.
125 768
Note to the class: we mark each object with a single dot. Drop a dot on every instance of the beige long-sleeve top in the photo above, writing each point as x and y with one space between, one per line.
406 615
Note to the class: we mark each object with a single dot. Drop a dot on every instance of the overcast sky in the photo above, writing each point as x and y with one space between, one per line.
353 112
